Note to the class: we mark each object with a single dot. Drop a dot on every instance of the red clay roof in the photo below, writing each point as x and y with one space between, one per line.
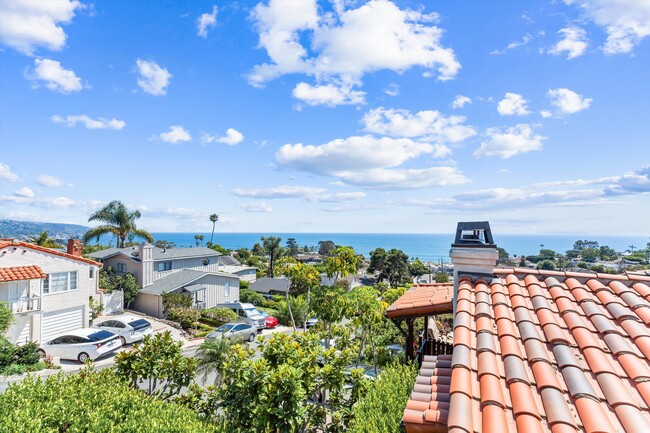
422 300
536 351
21 273
6 243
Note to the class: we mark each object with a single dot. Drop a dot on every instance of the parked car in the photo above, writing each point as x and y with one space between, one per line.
129 328
247 313
271 322
81 344
311 322
367 370
234 332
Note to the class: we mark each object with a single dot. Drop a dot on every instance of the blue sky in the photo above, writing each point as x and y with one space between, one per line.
341 116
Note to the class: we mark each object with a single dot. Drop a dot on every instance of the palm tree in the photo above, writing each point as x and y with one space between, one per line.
214 218
212 354
274 250
44 240
199 239
117 220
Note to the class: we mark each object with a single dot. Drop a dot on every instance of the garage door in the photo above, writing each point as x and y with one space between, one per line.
59 322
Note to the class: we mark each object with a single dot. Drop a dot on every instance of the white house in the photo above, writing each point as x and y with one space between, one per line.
194 271
231 265
48 290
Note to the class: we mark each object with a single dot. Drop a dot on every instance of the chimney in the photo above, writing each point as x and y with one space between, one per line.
473 252
74 247
146 258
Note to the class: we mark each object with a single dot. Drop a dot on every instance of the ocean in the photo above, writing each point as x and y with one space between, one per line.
427 247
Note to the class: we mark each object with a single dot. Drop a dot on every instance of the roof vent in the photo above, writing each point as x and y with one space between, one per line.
474 234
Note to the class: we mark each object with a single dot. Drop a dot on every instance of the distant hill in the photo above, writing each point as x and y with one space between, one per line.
25 229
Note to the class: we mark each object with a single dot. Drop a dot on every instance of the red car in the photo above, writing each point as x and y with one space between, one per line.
271 322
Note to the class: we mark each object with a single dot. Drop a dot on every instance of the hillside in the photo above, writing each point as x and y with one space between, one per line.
25 229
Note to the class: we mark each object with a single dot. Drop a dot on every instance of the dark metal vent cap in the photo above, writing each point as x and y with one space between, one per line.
474 234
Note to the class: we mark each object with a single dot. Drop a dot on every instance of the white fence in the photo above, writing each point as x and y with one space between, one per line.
113 302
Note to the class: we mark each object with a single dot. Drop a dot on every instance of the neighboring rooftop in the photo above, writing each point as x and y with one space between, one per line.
178 280
158 253
228 261
20 273
541 351
422 300
8 243
266 285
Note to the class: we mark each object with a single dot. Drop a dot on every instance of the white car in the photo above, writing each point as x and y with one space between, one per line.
129 328
81 344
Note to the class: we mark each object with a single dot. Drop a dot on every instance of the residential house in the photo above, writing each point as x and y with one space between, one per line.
533 351
48 290
277 286
193 271
231 265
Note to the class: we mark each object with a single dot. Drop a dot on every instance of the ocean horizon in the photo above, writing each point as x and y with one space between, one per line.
425 246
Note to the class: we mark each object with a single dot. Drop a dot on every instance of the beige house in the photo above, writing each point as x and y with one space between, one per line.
47 290
194 271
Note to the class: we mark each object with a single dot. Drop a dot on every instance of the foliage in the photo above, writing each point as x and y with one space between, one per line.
590 254
211 356
44 240
442 277
18 359
6 317
546 254
109 281
280 390
117 220
391 295
417 268
292 246
504 257
199 239
96 308
165 245
274 250
158 364
581 245
186 317
244 285
299 308
583 265
218 248
91 402
325 248
607 253
330 305
391 266
341 262
546 265
176 300
367 312
381 408
223 315
250 296
303 278
213 219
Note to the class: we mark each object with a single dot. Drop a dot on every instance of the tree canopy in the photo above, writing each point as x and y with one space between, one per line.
391 266
118 220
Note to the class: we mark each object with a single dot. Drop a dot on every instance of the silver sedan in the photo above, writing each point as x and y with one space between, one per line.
234 332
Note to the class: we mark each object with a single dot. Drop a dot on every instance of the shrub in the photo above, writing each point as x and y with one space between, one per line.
186 317
298 308
176 300
219 315
6 352
250 296
91 401
6 317
27 354
381 407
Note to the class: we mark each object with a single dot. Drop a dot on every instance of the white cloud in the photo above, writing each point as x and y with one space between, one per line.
25 25
546 114
338 197
512 104
175 135
629 183
509 142
51 181
55 77
205 21
89 123
47 202
401 179
153 79
7 174
567 101
429 125
232 138
24 192
256 207
392 89
514 44
626 22
460 101
285 191
575 43
385 37
328 94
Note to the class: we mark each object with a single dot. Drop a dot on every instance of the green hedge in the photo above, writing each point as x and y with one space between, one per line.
223 315
95 402
382 407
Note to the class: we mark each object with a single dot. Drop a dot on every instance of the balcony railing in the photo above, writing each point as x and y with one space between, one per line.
434 347
25 304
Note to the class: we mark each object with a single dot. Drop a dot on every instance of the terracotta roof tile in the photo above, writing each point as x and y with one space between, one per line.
21 273
551 352
424 299
11 243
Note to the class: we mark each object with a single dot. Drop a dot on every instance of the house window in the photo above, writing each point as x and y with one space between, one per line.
91 273
60 282
226 290
121 267
164 266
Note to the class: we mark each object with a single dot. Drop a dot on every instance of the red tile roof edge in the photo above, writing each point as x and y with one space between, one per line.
20 273
6 243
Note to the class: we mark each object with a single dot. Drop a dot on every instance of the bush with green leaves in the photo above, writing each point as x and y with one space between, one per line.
299 307
6 317
250 296
381 408
176 300
186 317
219 316
91 402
